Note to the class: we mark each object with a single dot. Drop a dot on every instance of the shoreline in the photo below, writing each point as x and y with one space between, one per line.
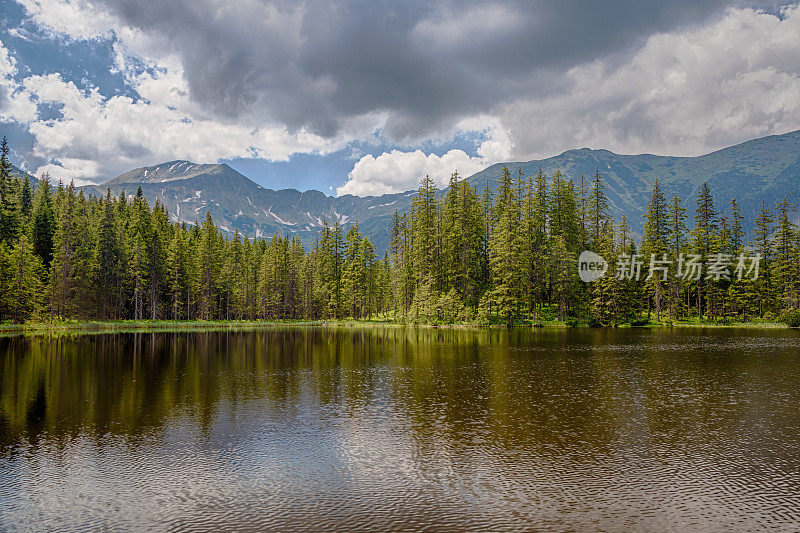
166 326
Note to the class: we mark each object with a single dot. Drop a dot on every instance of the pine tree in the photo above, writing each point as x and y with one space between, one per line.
597 209
26 201
108 267
207 266
607 292
9 201
704 242
563 275
654 250
453 235
25 276
425 212
178 271
762 244
44 224
784 264
353 273
157 252
737 226
504 252
677 241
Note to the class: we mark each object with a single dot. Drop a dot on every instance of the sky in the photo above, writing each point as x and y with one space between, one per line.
366 97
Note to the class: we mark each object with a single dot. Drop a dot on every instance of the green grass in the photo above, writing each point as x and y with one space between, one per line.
156 326
123 326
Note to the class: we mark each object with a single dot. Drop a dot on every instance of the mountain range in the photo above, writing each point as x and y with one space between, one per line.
237 203
762 169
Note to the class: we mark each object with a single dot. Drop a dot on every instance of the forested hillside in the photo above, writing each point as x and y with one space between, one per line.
508 257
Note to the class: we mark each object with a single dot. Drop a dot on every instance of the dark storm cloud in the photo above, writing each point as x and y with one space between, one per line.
426 64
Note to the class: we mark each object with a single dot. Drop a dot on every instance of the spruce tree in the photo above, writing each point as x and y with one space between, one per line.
654 249
44 224
9 201
108 267
704 242
504 251
26 202
597 209
25 278
762 245
677 241
784 264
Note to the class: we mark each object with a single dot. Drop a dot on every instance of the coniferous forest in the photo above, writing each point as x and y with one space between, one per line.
507 256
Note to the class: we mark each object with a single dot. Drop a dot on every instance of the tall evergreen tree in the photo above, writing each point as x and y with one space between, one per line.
9 201
654 248
108 266
504 247
762 244
44 224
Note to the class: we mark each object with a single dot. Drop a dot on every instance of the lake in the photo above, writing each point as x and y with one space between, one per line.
402 428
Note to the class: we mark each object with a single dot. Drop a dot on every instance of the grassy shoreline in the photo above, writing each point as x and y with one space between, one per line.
157 326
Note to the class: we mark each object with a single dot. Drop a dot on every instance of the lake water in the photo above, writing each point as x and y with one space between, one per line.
402 428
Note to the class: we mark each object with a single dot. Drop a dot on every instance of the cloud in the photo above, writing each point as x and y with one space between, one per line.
316 65
7 70
96 136
14 103
268 79
684 93
399 171
8 65
77 19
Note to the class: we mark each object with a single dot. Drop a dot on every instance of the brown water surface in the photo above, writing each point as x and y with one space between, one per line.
392 428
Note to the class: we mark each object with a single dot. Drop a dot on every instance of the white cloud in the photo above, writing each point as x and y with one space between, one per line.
682 93
14 103
8 66
399 171
75 19
97 137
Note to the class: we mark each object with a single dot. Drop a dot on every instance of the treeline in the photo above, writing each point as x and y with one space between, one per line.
506 257
67 255
510 256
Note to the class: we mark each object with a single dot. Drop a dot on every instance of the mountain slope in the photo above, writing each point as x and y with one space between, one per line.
236 203
767 168
16 171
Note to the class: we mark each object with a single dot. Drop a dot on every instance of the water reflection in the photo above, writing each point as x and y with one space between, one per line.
401 427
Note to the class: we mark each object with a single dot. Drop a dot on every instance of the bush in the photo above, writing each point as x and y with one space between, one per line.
572 322
639 322
791 318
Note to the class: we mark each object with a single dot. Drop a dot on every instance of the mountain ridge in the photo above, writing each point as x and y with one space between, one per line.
238 204
765 168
